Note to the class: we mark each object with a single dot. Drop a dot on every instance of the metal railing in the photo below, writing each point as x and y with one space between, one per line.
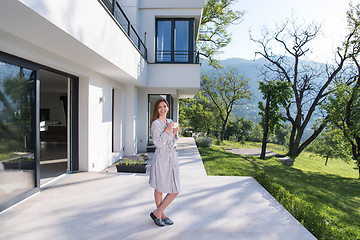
177 57
119 15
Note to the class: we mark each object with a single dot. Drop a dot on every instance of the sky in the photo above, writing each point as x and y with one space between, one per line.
330 14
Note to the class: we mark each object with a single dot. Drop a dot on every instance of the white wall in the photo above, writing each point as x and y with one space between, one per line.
95 126
80 31
142 123
131 9
88 44
131 118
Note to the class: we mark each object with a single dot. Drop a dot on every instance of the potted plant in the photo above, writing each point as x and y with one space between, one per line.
133 166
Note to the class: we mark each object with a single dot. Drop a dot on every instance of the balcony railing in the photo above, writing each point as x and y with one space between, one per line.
177 57
119 15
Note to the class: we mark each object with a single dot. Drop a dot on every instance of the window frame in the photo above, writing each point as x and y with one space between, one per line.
191 43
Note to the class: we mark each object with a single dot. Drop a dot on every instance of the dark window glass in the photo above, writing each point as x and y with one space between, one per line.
174 40
17 165
181 41
152 98
164 41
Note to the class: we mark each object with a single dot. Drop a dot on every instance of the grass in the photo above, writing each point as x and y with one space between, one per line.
333 189
6 156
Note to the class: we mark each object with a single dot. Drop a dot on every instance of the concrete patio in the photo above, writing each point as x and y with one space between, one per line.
109 205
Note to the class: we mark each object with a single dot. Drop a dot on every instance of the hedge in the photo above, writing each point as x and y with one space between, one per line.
321 226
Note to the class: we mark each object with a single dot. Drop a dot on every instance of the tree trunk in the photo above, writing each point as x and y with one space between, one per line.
327 157
266 129
223 132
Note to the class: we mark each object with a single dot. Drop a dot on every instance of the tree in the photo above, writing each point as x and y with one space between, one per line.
343 107
240 129
199 112
309 82
225 89
329 145
17 97
282 134
275 93
217 17
256 133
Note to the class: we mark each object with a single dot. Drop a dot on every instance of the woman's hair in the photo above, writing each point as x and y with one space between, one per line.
155 113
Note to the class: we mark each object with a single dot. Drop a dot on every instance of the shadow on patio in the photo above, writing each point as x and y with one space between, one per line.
110 205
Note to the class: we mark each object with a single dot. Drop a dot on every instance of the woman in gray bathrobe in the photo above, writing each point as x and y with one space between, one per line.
164 173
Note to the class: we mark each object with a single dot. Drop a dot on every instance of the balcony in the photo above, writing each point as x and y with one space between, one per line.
177 57
114 7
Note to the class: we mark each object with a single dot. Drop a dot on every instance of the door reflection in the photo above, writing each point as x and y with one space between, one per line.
17 140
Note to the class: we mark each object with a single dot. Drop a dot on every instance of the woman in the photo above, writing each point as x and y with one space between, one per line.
164 173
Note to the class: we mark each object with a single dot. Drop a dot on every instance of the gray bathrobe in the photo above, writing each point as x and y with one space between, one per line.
164 173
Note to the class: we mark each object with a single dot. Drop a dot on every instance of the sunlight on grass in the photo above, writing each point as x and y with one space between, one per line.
333 189
311 162
5 156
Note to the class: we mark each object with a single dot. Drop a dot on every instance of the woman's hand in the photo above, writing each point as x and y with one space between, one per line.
169 127
175 131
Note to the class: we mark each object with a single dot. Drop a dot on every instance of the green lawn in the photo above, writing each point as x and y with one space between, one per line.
333 189
5 156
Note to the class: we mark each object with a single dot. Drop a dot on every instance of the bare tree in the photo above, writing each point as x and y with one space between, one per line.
286 51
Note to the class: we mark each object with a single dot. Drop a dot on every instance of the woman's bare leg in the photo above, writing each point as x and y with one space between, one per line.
159 212
158 201
158 198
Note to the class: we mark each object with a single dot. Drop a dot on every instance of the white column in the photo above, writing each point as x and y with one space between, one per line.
84 124
117 124
176 110
130 115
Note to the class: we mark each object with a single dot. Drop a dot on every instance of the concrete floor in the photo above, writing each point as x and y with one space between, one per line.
109 205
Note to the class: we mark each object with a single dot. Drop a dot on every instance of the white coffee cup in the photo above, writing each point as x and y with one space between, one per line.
175 125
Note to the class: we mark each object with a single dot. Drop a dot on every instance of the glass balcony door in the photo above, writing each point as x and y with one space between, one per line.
175 40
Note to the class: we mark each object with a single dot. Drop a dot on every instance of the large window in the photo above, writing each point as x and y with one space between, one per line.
175 40
17 138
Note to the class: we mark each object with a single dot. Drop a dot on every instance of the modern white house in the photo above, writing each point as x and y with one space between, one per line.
78 79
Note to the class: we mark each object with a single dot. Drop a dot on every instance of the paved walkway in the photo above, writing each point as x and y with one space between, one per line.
251 152
110 205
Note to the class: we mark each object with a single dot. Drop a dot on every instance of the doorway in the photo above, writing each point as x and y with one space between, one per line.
54 125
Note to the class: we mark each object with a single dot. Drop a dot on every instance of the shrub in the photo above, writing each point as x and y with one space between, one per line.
187 133
319 225
233 138
203 141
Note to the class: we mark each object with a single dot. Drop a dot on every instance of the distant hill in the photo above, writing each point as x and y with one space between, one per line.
251 69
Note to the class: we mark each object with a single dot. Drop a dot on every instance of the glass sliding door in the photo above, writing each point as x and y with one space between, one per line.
152 98
17 134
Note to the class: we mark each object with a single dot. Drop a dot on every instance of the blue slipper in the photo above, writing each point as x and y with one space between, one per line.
158 222
168 221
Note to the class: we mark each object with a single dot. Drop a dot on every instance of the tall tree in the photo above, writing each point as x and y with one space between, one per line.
343 107
218 15
309 82
224 89
275 93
